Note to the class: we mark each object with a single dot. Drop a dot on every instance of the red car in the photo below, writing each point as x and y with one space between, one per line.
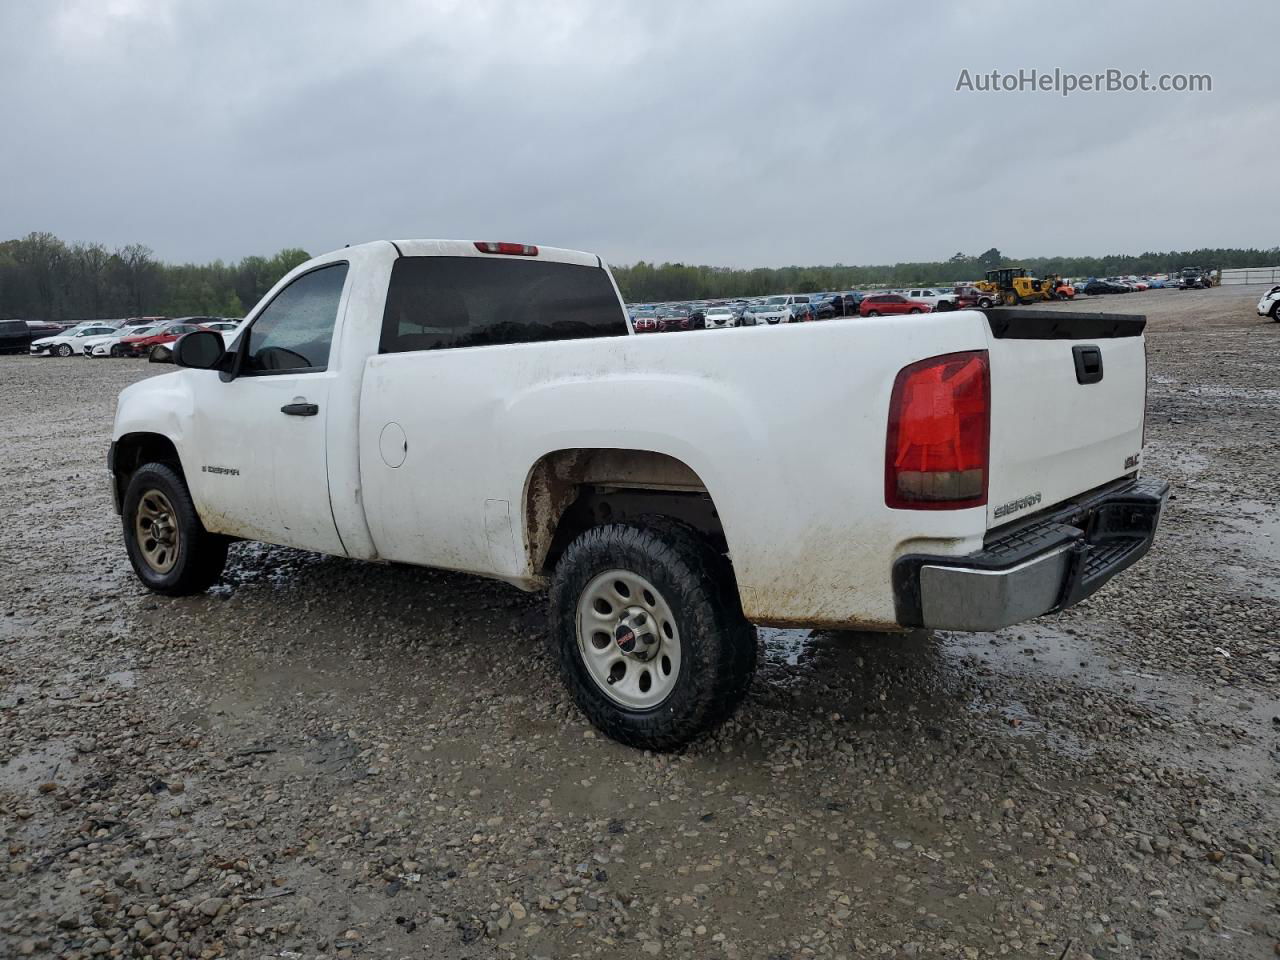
890 303
141 346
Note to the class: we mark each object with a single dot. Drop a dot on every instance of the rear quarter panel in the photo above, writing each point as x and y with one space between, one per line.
784 425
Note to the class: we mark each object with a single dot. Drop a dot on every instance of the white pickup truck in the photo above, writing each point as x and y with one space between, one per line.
484 407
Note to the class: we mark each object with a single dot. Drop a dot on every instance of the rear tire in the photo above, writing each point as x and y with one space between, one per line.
677 605
169 548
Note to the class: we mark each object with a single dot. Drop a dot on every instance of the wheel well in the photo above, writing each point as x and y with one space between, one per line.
569 491
134 449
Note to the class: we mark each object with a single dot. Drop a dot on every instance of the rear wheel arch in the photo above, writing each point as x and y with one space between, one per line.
569 491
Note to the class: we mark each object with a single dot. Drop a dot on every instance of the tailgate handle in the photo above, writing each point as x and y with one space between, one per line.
1088 363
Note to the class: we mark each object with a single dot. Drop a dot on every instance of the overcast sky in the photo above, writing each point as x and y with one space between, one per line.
745 133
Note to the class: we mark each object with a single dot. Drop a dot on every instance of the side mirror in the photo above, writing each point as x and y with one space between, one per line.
200 350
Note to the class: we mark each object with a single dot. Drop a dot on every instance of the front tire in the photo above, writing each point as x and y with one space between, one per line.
64 350
169 548
1275 313
653 644
873 313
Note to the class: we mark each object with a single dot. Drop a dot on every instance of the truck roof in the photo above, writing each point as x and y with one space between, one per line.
468 248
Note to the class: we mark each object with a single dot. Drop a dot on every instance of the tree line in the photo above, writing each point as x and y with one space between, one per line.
44 278
649 282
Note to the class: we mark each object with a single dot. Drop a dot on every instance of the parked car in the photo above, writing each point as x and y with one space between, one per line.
912 520
825 308
969 296
108 345
885 304
155 343
45 328
766 313
15 336
644 320
228 328
715 318
1269 305
1100 287
852 300
69 341
678 317
1195 278
934 296
800 313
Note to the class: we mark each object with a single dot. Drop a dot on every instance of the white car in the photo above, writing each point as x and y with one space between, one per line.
1269 305
932 296
717 318
969 473
69 341
766 313
108 345
228 328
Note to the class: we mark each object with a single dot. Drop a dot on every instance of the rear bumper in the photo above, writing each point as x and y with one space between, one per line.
1044 565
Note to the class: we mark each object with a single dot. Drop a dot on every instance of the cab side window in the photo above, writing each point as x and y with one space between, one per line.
295 331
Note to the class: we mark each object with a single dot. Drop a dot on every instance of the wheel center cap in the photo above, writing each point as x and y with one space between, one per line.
634 635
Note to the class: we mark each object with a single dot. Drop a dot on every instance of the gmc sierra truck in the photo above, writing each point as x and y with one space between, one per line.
485 407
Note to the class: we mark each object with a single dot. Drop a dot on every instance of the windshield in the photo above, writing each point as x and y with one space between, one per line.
778 301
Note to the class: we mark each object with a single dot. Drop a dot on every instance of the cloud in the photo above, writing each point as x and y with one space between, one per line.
727 133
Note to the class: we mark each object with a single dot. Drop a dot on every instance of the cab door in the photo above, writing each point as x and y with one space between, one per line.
259 438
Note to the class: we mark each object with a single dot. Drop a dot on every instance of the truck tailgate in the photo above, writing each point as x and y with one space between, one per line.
1060 425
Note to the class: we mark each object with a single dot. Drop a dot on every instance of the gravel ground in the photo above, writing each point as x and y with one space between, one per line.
324 758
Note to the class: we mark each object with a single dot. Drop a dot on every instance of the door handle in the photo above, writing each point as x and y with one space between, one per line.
301 409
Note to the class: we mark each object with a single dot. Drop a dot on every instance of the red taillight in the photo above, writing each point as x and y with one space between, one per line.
512 249
938 448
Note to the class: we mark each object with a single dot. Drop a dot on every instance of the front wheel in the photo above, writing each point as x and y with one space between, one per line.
64 350
914 310
653 644
169 548
873 313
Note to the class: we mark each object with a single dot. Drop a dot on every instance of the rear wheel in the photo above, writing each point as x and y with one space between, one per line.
653 644
169 548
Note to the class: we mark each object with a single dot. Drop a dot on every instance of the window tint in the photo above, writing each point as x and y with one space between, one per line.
295 330
440 302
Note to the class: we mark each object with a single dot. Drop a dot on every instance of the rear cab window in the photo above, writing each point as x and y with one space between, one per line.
441 302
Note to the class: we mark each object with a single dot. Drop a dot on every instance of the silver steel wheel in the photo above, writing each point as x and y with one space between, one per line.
156 528
628 639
